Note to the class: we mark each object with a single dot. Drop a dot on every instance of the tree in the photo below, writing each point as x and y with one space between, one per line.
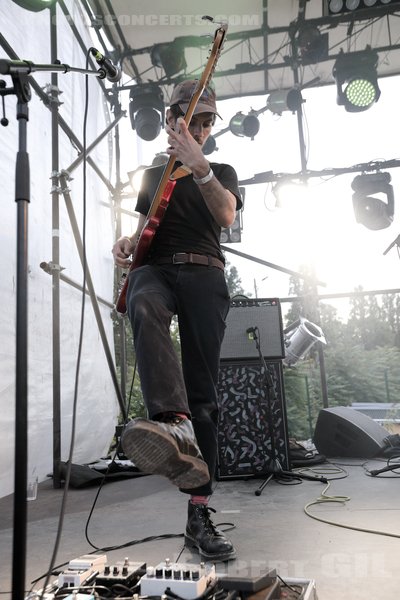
233 280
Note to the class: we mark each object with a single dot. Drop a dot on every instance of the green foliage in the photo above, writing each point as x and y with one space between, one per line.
362 357
233 280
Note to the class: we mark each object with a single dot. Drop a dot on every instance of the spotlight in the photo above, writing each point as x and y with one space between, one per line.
169 56
281 100
358 71
233 234
35 5
210 146
299 337
146 110
312 45
370 211
245 125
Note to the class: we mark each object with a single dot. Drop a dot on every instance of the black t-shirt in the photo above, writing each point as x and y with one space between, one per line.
187 225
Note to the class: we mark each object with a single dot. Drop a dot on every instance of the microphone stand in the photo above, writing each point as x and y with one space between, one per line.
19 71
275 469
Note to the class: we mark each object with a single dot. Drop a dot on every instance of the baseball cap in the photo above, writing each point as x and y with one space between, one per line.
183 92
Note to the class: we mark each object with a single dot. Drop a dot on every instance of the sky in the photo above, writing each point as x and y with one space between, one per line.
315 226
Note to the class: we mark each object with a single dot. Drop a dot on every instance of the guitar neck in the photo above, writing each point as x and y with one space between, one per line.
170 164
200 87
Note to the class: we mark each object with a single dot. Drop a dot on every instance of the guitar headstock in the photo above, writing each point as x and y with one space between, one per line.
215 52
205 78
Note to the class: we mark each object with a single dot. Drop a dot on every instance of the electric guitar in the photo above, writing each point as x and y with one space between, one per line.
167 182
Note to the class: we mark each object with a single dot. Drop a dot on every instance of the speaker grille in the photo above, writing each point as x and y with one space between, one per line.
244 432
264 313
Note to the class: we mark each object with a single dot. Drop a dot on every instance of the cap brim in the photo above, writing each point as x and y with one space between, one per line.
200 108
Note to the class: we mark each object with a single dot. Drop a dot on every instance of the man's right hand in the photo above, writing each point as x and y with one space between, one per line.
122 250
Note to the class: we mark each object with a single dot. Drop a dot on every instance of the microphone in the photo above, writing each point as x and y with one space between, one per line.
395 242
110 71
251 330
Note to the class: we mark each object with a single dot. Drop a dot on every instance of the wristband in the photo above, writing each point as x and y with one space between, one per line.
205 179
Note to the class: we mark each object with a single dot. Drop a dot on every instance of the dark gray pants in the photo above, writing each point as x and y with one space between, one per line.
199 296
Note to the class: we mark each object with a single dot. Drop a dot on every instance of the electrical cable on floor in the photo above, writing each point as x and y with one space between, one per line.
342 500
325 471
387 468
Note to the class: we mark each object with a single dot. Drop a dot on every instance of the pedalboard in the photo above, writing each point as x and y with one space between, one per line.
186 580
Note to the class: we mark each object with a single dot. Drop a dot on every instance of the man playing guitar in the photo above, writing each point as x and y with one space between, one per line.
182 274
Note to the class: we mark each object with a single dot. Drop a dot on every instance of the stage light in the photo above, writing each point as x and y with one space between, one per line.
371 211
161 158
146 110
290 193
210 146
358 71
35 5
312 45
245 125
299 337
334 7
170 56
282 100
135 178
233 234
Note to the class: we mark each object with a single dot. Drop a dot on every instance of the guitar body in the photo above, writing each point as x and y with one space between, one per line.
144 242
167 184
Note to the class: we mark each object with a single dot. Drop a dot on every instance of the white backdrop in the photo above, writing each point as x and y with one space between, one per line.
29 35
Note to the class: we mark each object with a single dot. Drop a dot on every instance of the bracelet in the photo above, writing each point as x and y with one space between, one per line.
205 179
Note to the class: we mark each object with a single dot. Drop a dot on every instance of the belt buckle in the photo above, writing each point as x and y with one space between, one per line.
176 260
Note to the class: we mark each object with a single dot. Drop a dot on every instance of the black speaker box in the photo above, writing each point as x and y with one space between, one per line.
343 431
246 426
263 313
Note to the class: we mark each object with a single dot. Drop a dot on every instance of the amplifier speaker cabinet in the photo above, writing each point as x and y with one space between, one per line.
244 431
264 313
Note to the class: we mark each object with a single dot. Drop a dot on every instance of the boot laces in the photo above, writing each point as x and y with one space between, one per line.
205 516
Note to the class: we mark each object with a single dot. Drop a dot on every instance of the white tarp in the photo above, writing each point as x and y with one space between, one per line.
28 34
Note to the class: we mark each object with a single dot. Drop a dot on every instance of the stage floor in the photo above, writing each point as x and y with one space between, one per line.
269 530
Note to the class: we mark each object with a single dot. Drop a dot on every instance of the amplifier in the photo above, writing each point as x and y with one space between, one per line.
244 313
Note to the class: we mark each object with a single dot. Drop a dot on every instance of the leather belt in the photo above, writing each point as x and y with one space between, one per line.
182 258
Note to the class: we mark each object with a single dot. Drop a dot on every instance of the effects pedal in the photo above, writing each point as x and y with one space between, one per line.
121 572
80 569
186 580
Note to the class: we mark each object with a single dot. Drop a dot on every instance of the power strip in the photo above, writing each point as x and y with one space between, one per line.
186 580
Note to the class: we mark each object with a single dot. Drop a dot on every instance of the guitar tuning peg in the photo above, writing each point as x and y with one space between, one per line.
212 20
